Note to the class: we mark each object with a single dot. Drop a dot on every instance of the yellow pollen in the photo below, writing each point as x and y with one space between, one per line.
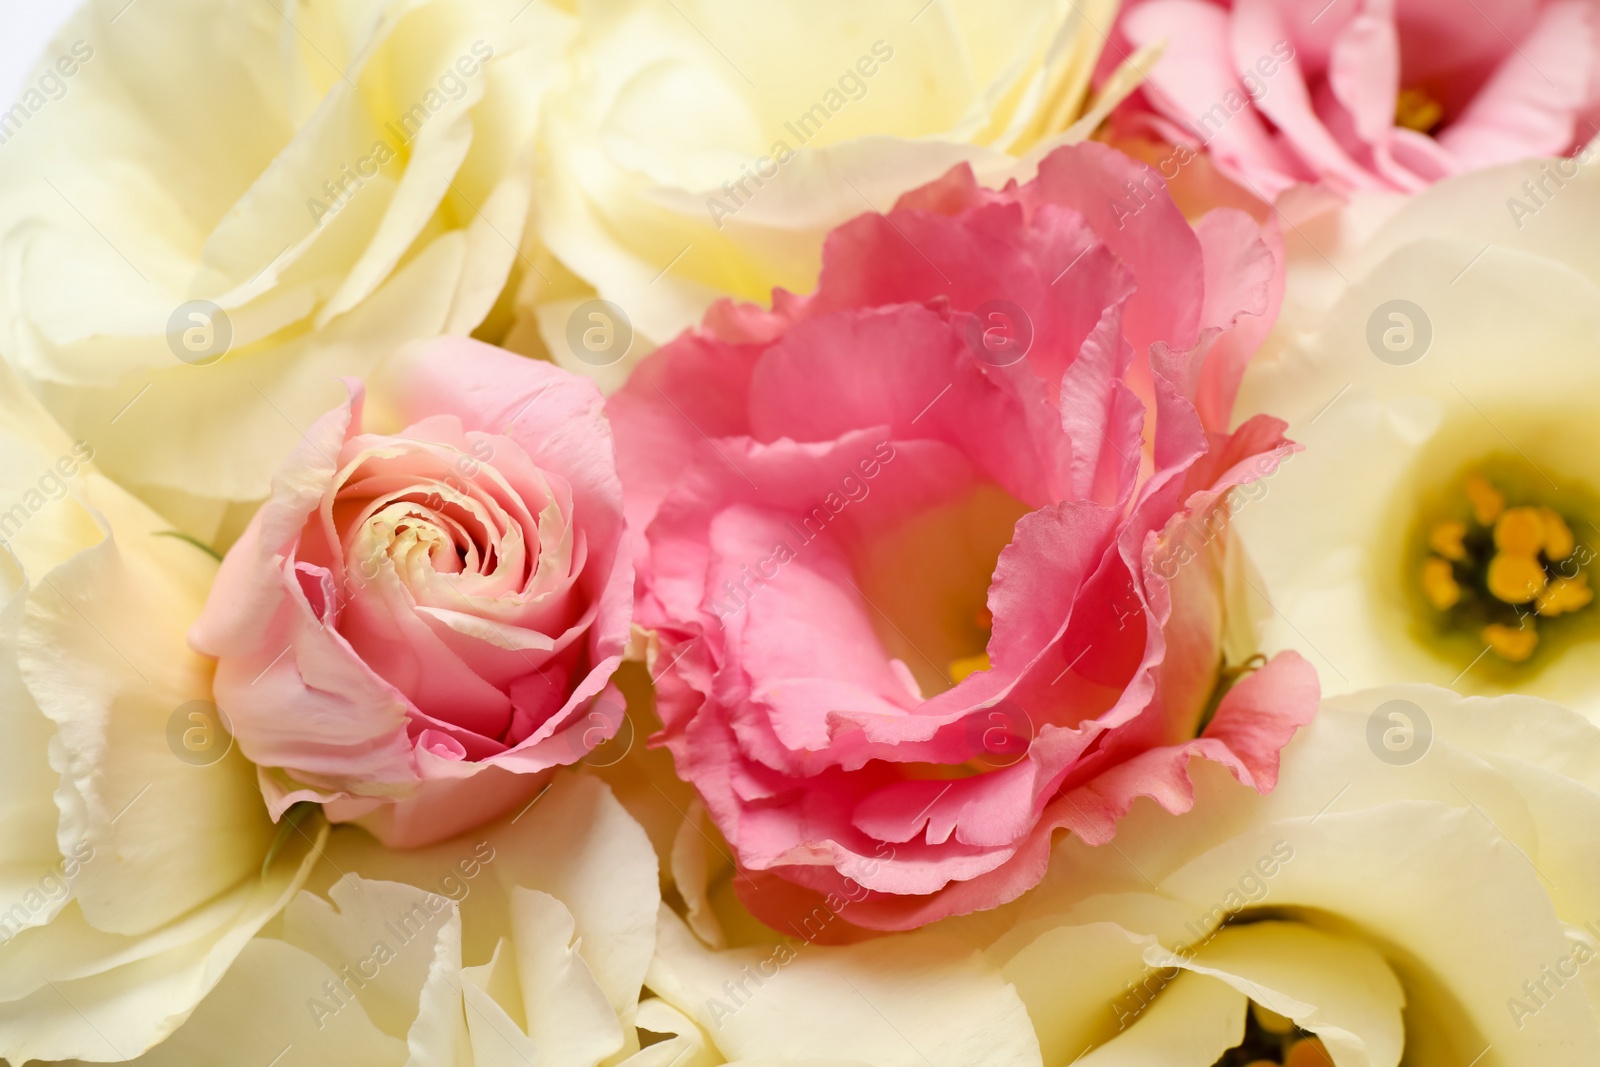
1558 540
1499 572
1439 584
1486 500
1515 579
1511 643
1446 540
961 668
1565 594
1519 532
1416 110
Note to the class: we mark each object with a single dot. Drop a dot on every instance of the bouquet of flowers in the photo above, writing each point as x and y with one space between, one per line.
677 532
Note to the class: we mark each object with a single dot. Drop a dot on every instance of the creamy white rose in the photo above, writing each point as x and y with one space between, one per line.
133 839
231 204
703 148
1441 524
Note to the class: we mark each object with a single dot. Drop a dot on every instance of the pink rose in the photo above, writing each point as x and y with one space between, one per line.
1366 94
416 624
932 554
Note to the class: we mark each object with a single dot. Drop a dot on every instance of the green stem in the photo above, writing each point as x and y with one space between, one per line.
298 813
1227 678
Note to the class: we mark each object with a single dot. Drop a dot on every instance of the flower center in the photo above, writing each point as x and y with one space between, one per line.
1414 109
1502 568
927 582
1271 1039
962 666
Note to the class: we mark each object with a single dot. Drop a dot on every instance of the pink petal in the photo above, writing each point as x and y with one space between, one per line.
1531 104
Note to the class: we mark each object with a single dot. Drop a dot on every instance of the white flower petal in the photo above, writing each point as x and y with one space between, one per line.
96 995
104 653
376 196
584 850
703 149
153 876
918 999
1191 1024
243 1014
569 1018
1397 862
1339 988
1074 1008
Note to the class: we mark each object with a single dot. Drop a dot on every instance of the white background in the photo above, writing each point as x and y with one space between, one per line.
26 26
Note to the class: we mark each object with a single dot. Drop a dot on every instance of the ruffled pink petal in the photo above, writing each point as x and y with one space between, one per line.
1254 721
797 441
1196 87
689 391
1530 106
1244 289
1101 414
1256 29
1364 70
1128 207
910 370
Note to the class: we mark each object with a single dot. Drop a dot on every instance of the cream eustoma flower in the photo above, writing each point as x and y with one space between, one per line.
703 148
1437 905
1436 360
233 203
132 855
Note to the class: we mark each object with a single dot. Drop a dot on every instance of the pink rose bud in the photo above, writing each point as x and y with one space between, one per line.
936 553
417 627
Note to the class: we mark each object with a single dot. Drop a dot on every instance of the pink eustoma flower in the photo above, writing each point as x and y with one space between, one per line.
418 626
934 555
1366 94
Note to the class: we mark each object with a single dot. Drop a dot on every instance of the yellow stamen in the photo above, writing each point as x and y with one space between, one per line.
1515 579
1486 500
1519 532
1511 643
1558 540
961 668
1565 594
1416 110
1439 584
1446 540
